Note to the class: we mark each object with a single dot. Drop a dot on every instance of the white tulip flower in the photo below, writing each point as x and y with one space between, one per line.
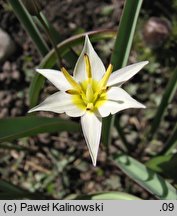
91 93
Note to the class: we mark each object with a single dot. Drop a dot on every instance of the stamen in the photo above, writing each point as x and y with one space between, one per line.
71 80
72 92
106 76
88 66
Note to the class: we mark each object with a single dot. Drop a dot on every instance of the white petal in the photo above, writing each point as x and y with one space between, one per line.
122 75
59 102
97 66
118 100
91 126
55 77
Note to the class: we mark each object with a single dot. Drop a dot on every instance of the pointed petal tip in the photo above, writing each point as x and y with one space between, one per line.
91 127
38 70
141 106
145 62
31 110
86 36
34 109
94 163
44 71
141 63
94 160
87 40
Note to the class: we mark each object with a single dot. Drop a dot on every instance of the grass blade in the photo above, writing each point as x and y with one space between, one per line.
165 165
166 99
11 146
14 128
171 143
125 33
145 177
9 191
29 25
121 53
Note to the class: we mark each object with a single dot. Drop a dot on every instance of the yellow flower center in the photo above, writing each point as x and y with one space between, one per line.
90 94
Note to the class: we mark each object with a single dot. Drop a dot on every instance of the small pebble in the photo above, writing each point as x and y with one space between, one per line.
7 46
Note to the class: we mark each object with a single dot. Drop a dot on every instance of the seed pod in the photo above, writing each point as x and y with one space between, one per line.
34 7
155 32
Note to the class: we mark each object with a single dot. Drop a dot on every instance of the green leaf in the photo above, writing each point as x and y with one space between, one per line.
125 33
147 178
57 37
166 165
13 128
29 25
63 48
71 57
11 146
166 99
121 53
5 186
9 191
107 196
171 143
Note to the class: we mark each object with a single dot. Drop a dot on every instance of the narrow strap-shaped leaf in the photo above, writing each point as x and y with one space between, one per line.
50 37
11 146
63 48
13 128
71 57
165 165
29 25
107 196
171 143
121 52
125 33
57 37
166 99
5 186
145 177
9 191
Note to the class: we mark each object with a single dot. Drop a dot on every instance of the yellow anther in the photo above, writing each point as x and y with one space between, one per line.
74 84
72 92
88 66
106 76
